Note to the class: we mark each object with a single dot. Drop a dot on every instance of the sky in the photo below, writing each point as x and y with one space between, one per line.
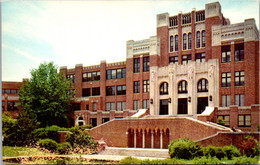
87 32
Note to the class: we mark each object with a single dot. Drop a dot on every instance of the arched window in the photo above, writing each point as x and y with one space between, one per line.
164 88
171 43
189 41
198 39
184 41
176 42
183 87
203 85
80 118
203 44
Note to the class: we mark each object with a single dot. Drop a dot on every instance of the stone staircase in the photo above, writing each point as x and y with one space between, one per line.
139 152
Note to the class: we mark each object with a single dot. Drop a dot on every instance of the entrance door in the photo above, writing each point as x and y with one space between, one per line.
164 107
182 106
201 104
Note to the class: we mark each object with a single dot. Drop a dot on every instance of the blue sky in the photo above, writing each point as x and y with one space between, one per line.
72 32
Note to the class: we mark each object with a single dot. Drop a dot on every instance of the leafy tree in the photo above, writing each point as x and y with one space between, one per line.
46 94
221 121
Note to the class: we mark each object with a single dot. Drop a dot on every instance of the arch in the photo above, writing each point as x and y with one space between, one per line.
139 138
80 118
130 137
166 137
147 138
164 88
156 137
183 86
202 85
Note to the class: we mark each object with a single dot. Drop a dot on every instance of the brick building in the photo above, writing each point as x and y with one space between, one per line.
197 68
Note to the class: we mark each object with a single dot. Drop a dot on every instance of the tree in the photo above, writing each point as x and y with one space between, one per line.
46 95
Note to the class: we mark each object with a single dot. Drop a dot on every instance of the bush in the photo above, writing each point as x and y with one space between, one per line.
48 144
250 146
132 160
206 160
231 151
212 151
184 149
221 121
50 132
63 148
246 160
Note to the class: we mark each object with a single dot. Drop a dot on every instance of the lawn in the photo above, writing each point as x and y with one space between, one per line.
9 151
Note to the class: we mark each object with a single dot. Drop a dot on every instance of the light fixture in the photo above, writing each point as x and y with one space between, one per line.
151 101
189 99
169 100
210 98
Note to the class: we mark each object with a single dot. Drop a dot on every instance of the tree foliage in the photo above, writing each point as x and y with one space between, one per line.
46 94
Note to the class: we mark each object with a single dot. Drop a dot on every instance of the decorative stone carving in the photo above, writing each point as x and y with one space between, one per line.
190 72
211 71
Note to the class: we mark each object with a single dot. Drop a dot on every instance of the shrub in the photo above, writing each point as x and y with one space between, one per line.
246 160
206 160
250 146
184 149
231 151
212 151
48 144
132 160
221 121
50 132
63 148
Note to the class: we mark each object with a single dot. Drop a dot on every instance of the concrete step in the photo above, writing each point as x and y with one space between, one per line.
140 152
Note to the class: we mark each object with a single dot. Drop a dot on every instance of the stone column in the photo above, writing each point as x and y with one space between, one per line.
134 138
151 139
161 139
143 139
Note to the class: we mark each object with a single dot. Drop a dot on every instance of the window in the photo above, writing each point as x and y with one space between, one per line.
173 60
110 106
226 79
164 88
94 107
92 76
93 122
171 43
146 86
121 106
183 87
189 40
121 90
104 120
186 19
203 85
184 46
71 77
240 78
176 42
240 100
87 107
75 106
244 120
3 106
239 52
173 21
203 44
116 73
146 66
200 57
198 39
10 91
136 104
146 104
110 91
96 91
186 59
226 100
136 86
136 65
225 50
225 118
85 92
200 16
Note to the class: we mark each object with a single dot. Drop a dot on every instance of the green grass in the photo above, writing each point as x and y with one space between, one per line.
9 151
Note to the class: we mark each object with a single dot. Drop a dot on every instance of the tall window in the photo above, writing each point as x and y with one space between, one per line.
239 52
225 51
91 76
226 118
173 60
226 100
146 86
121 90
164 88
189 40
183 87
198 39
239 78
186 59
116 73
176 42
203 85
171 43
184 47
240 100
85 92
146 104
71 77
136 65
203 44
136 104
96 91
200 57
146 66
94 106
136 86
226 79
244 120
12 106
121 106
110 106
110 91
